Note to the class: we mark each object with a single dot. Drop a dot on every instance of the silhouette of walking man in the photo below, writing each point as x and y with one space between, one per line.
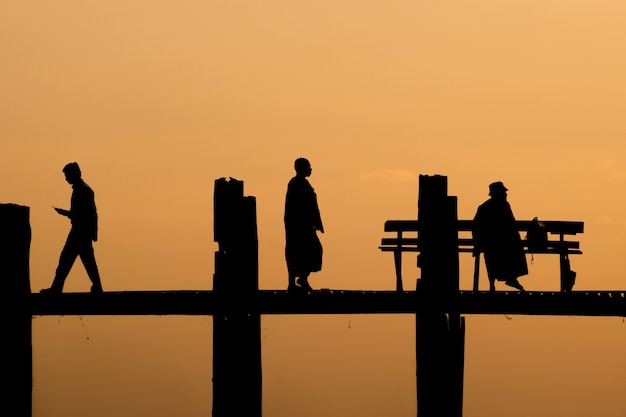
84 218
303 249
495 235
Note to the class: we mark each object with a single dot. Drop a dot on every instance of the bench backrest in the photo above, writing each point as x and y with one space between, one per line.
552 226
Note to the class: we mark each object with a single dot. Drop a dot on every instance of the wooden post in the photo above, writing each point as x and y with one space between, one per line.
439 332
15 237
397 261
476 271
237 378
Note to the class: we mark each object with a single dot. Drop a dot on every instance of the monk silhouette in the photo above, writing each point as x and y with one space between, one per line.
84 219
303 249
495 235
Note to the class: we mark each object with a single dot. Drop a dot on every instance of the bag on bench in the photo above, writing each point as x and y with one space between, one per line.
537 236
568 277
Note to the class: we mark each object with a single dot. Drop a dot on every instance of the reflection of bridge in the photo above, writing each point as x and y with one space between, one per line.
236 305
576 303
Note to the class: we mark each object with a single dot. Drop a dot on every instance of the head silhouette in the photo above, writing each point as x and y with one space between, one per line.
497 189
72 172
303 167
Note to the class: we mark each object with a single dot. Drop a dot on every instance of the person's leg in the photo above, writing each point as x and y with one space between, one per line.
303 282
292 282
89 261
66 261
492 285
289 258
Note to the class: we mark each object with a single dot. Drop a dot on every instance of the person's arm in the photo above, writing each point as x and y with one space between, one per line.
477 233
317 218
61 211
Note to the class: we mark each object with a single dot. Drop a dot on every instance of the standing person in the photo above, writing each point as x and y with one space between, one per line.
84 218
303 249
496 235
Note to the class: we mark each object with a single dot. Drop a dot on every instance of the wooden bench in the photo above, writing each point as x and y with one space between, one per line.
407 240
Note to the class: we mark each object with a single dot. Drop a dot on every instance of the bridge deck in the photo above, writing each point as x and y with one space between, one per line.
576 303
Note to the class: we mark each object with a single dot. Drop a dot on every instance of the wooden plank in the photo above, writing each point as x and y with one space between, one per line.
279 302
401 225
392 241
402 249
559 227
570 251
553 226
406 241
537 252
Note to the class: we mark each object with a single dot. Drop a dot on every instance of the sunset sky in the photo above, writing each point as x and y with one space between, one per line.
157 99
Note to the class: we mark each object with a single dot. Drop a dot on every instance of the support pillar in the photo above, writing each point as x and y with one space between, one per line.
15 235
439 329
237 377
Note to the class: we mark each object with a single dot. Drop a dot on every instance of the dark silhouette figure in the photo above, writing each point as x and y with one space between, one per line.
495 235
84 218
303 250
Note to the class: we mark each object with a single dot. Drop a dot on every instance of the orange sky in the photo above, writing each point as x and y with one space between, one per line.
157 99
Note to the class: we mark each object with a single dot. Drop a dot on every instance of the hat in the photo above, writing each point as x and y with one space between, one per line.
496 187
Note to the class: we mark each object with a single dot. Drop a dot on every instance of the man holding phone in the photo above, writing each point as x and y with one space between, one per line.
84 231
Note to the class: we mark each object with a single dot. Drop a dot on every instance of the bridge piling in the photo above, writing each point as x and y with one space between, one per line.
15 235
440 333
237 377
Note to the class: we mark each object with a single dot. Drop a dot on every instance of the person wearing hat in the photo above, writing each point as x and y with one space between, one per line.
496 235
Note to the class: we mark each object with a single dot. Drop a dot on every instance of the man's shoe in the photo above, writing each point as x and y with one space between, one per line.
304 285
50 291
515 284
294 289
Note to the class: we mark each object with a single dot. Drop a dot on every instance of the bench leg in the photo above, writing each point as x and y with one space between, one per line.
397 259
476 271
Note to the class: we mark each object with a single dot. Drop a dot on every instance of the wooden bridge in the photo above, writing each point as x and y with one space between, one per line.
277 302
236 305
